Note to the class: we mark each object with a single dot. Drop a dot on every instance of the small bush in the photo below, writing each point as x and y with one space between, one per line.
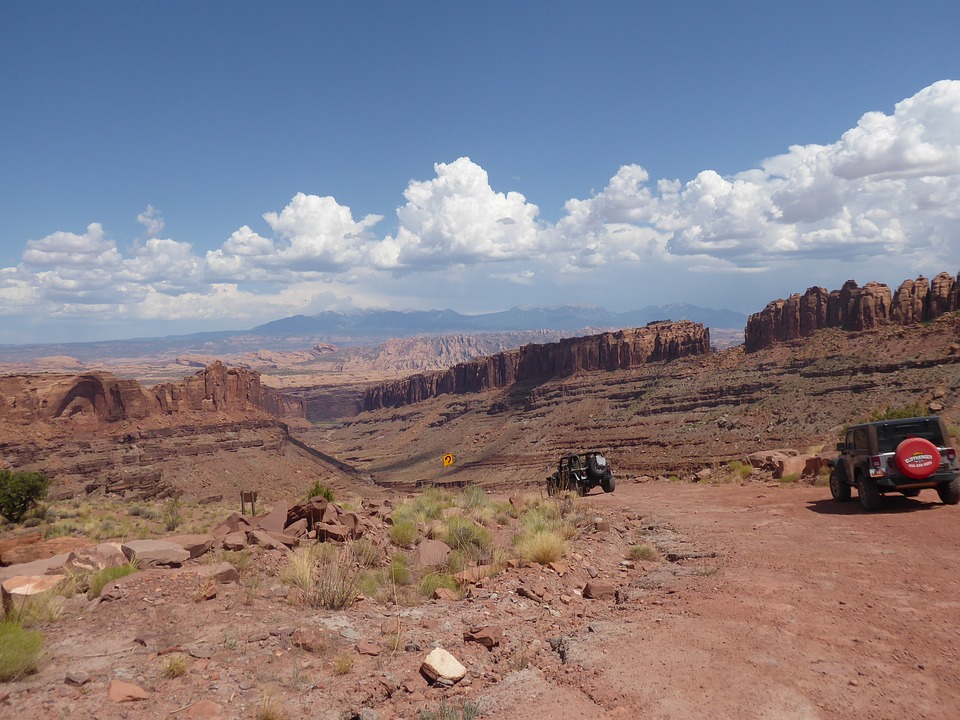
431 581
20 491
102 577
898 412
404 532
790 478
336 582
541 546
644 551
461 533
318 489
20 651
172 514
174 666
400 573
366 553
741 469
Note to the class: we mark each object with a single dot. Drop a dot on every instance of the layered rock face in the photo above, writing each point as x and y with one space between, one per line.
852 308
101 396
536 363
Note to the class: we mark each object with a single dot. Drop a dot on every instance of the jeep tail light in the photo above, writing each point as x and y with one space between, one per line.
951 454
875 462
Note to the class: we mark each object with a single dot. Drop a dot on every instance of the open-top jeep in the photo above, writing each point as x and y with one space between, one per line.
905 456
581 473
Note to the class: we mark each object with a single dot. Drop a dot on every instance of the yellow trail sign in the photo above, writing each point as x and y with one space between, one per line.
448 460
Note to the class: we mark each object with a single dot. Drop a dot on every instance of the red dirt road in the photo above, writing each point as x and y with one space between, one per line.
817 610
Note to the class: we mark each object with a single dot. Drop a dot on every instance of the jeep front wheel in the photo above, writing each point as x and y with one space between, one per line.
949 492
869 493
839 487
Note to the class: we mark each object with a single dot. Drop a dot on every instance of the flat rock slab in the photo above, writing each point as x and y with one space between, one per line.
196 545
155 553
120 691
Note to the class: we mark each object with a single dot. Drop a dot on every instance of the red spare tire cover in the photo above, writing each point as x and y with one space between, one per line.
917 458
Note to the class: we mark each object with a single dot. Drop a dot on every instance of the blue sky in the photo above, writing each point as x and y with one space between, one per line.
174 167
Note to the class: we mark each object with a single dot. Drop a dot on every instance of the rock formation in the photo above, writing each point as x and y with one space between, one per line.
103 397
852 308
536 363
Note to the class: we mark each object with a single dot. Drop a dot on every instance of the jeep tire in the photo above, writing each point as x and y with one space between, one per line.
869 493
608 483
949 492
839 487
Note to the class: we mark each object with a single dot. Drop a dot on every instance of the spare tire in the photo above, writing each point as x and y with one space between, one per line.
917 458
597 466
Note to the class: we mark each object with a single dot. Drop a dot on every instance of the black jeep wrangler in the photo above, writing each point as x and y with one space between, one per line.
580 473
904 456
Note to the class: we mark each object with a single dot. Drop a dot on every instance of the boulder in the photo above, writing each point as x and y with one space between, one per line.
440 665
17 590
119 691
431 553
196 545
275 520
489 636
598 590
37 567
95 558
222 572
235 540
42 550
10 543
155 553
265 540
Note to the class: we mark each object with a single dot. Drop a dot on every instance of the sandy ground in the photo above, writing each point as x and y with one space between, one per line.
818 610
785 605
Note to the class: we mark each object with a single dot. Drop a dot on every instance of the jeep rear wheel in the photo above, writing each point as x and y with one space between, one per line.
608 483
949 492
868 492
839 487
553 485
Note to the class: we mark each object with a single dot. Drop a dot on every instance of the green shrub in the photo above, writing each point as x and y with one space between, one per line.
318 489
742 469
404 532
19 650
461 533
102 577
898 412
172 514
431 581
400 573
20 491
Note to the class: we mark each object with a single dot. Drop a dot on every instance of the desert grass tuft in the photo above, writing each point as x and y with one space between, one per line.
102 577
342 664
430 582
174 666
540 546
404 532
20 651
643 551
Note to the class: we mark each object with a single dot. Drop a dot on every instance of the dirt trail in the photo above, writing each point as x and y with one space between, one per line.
816 610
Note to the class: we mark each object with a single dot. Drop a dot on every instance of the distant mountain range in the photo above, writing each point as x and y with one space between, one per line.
369 327
392 323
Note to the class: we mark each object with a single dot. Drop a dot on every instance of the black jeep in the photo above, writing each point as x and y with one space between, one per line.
580 473
904 456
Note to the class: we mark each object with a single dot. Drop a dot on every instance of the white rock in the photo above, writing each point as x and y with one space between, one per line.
441 665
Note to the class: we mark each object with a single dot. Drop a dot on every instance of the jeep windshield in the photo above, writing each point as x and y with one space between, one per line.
891 434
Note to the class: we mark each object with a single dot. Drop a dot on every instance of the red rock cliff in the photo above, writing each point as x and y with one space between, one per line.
852 308
536 363
101 396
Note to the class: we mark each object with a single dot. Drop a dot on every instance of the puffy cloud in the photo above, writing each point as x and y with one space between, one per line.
458 218
91 249
152 220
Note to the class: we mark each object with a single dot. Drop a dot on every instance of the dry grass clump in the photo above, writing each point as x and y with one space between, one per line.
540 546
269 709
327 575
430 582
643 551
20 650
342 664
174 666
740 469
